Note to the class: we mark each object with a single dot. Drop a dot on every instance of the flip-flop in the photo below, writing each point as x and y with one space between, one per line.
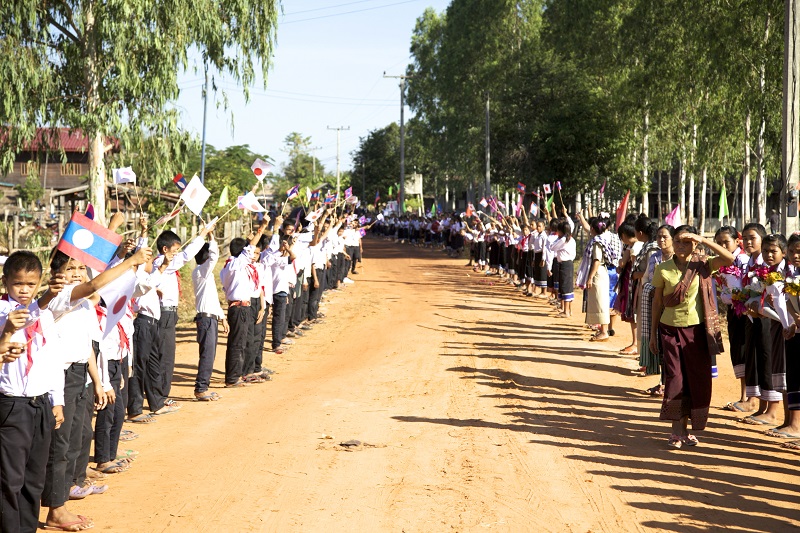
141 419
733 406
114 468
167 409
793 445
128 454
97 489
754 421
66 526
78 493
780 434
127 435
595 338
207 397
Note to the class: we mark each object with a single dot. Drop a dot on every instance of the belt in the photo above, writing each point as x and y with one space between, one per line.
239 303
32 399
204 315
146 318
173 308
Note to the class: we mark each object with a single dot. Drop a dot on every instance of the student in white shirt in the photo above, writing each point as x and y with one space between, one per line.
209 315
169 246
564 249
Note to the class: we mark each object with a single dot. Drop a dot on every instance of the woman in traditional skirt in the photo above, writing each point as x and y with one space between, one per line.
627 234
791 429
685 317
649 362
598 305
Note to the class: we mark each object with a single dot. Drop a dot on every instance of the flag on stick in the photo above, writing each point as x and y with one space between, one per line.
179 181
89 242
622 210
603 188
249 202
521 187
484 203
260 169
546 188
377 197
723 203
348 192
117 294
124 175
292 193
314 196
558 184
549 204
169 216
223 198
90 212
674 217
195 195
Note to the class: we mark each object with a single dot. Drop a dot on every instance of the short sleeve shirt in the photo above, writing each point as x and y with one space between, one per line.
687 313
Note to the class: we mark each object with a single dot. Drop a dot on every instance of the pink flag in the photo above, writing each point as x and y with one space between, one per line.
519 206
603 188
674 217
622 210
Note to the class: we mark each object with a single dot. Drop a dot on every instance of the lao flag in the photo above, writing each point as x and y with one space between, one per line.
291 193
377 197
180 181
116 295
348 192
546 188
534 209
314 196
330 198
521 187
124 175
260 169
558 184
89 242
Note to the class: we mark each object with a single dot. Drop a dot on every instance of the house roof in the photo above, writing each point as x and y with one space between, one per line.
68 139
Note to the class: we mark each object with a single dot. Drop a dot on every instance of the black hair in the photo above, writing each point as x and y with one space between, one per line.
166 240
565 228
670 229
236 246
287 223
553 225
630 219
758 228
58 260
263 242
202 255
686 228
794 238
21 261
626 230
730 231
644 224
775 238
598 224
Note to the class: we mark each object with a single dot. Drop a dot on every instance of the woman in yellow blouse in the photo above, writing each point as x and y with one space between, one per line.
685 317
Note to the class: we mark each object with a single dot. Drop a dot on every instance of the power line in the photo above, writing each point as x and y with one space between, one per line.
326 8
348 12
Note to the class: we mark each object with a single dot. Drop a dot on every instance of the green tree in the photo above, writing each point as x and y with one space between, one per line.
30 191
110 68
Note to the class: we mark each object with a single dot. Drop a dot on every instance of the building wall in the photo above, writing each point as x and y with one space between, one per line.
53 174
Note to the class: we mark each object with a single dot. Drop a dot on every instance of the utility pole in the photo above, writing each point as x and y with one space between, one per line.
791 107
314 162
402 195
205 113
338 180
488 182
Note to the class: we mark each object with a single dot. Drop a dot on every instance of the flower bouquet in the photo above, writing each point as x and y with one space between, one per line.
758 279
729 280
775 285
791 288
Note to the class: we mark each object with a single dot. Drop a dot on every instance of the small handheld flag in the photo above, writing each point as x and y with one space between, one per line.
260 169
249 202
89 242
169 216
558 184
117 294
622 210
546 188
603 188
377 197
179 181
314 196
223 198
292 193
348 192
534 209
484 203
723 203
674 217
195 195
521 187
124 175
330 198
90 212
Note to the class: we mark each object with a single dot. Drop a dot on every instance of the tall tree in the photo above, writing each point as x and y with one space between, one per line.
110 68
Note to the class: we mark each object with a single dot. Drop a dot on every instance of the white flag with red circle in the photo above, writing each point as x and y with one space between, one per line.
260 169
195 195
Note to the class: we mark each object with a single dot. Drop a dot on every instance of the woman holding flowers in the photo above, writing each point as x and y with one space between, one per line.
685 319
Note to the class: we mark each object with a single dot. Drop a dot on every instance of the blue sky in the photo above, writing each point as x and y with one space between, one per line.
327 71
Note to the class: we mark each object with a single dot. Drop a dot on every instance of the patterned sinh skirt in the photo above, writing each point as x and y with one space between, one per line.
687 373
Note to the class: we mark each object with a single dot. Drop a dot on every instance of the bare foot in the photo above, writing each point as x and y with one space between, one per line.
59 517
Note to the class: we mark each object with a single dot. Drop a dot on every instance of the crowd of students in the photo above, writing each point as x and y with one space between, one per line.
673 287
57 403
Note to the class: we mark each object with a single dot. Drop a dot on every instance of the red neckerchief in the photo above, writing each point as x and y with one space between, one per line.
30 334
124 341
180 288
252 273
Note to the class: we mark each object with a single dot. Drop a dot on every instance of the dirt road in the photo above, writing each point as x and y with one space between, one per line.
482 413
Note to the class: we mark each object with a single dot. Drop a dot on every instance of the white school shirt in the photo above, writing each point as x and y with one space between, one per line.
352 237
115 346
237 276
46 375
145 299
564 249
547 254
170 295
318 258
206 297
277 264
75 331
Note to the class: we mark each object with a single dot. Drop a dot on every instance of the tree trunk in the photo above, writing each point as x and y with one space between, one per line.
703 196
669 191
682 185
97 169
761 179
745 200
660 213
645 165
690 207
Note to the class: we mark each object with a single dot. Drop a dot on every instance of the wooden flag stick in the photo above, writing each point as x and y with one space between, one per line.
138 200
171 210
560 199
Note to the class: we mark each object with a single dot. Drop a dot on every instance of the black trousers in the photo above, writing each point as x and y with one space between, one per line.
108 423
87 436
299 308
255 341
315 293
26 427
279 303
331 278
240 322
67 441
207 332
166 352
140 385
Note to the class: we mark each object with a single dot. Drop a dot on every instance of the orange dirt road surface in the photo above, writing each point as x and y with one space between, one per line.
479 412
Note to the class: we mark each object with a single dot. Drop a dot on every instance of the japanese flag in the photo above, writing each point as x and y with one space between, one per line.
546 188
314 215
117 294
124 175
260 169
195 195
249 202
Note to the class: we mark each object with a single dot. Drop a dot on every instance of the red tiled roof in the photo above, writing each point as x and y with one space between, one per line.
68 139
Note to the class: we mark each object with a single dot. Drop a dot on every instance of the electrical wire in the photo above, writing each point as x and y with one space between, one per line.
348 12
328 7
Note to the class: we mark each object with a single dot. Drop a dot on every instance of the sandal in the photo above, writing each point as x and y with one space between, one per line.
690 440
629 350
79 493
239 383
167 409
792 445
206 396
115 467
598 338
734 406
127 435
141 419
82 523
675 441
655 391
253 378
